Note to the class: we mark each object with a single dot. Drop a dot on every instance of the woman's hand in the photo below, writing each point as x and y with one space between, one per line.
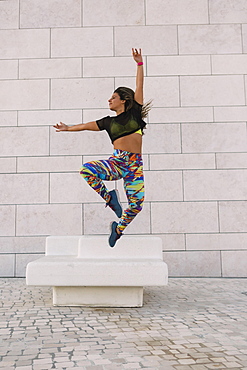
61 127
137 55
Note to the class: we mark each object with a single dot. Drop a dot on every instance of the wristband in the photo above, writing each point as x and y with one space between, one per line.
140 63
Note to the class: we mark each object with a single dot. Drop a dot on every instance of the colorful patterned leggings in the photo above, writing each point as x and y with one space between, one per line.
120 165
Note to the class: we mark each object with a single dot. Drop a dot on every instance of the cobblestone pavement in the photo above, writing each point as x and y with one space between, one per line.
190 324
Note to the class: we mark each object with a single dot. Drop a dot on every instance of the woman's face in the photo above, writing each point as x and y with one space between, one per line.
115 103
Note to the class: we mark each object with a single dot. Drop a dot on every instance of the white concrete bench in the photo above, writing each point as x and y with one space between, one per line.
85 271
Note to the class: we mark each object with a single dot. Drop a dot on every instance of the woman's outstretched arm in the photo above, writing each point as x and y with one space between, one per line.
90 126
137 55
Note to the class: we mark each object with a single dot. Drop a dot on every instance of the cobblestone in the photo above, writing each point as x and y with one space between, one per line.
192 324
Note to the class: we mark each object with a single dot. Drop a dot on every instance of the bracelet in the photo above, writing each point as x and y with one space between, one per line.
140 63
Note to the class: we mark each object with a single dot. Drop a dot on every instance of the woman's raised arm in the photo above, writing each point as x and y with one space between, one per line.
137 55
90 126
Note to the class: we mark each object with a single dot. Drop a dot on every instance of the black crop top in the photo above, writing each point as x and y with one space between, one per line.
123 124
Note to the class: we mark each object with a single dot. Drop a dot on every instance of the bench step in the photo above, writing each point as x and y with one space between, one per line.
98 296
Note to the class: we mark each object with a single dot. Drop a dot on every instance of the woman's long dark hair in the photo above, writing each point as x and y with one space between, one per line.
128 95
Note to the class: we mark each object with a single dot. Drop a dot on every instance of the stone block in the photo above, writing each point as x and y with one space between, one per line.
220 242
9 14
49 164
244 35
171 242
215 185
81 93
93 114
80 143
49 219
182 12
212 90
126 81
196 264
24 141
24 94
182 217
62 245
230 114
82 42
168 88
229 64
227 11
184 114
7 267
162 139
8 69
213 137
97 219
7 220
133 248
140 35
12 244
233 216
234 264
108 67
50 13
182 161
210 39
107 13
7 165
98 275
21 263
24 44
231 160
75 189
8 118
163 186
98 296
16 189
50 68
49 117
178 65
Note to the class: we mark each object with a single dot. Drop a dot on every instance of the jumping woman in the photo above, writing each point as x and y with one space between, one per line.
125 131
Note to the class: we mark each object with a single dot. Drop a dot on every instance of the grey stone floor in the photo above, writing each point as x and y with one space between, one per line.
190 324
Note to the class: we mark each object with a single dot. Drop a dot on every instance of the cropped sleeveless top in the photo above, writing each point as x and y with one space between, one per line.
123 124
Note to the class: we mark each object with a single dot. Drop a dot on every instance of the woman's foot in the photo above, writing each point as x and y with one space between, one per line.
115 234
114 204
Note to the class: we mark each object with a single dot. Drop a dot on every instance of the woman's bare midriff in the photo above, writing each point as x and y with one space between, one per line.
130 143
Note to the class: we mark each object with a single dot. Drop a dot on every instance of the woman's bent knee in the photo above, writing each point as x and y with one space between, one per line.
85 171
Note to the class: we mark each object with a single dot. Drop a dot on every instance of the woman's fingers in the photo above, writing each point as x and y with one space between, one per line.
59 126
136 52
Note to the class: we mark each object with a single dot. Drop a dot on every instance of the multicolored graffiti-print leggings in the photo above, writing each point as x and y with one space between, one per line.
120 165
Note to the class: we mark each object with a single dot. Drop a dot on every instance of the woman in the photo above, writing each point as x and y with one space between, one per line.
125 131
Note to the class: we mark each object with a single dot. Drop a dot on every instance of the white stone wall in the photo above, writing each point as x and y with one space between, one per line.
60 61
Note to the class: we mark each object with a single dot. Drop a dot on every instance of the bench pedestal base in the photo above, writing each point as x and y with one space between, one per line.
98 296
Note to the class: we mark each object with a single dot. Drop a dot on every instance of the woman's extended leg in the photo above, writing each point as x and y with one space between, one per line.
134 188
